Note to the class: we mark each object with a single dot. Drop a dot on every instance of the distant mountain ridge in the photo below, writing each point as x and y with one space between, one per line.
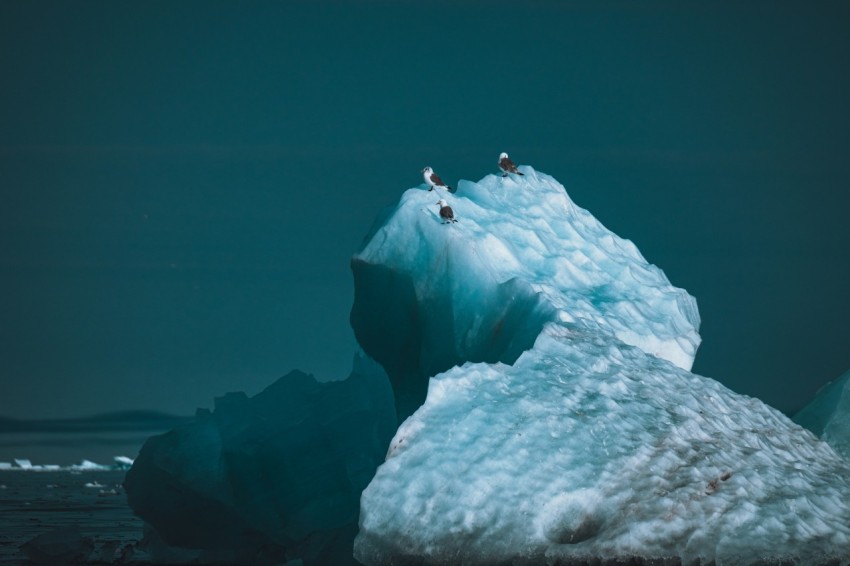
135 420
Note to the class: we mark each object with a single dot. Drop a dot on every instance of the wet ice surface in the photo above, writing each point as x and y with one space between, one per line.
34 503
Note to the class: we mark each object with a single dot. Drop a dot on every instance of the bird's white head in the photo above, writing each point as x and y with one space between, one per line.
503 155
442 202
428 170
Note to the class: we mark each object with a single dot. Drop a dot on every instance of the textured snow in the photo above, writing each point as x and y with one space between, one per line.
583 449
828 414
596 442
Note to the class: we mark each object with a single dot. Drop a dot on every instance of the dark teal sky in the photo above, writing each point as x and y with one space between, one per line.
183 183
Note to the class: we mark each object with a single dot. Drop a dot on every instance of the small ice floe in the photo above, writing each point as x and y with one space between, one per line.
27 465
5 465
122 463
88 465
94 484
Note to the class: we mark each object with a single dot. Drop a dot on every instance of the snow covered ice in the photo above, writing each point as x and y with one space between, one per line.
828 415
596 442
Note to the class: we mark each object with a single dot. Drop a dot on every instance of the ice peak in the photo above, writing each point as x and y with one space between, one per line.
522 255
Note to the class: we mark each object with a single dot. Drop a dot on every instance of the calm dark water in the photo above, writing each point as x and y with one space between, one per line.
32 503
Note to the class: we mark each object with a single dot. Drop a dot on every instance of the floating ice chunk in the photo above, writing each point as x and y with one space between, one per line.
23 464
88 465
279 472
122 463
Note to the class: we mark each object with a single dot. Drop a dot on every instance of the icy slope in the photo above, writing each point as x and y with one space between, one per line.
429 296
828 415
596 442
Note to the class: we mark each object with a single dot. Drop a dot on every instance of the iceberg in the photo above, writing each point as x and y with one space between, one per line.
24 464
828 414
540 369
573 431
273 477
88 466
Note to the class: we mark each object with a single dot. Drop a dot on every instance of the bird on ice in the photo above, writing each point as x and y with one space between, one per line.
434 180
446 212
506 165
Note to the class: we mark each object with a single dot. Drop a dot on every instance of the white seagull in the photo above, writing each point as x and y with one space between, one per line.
446 212
434 180
506 165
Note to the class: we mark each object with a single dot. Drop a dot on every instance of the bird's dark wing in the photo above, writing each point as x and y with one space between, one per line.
507 165
436 180
447 212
